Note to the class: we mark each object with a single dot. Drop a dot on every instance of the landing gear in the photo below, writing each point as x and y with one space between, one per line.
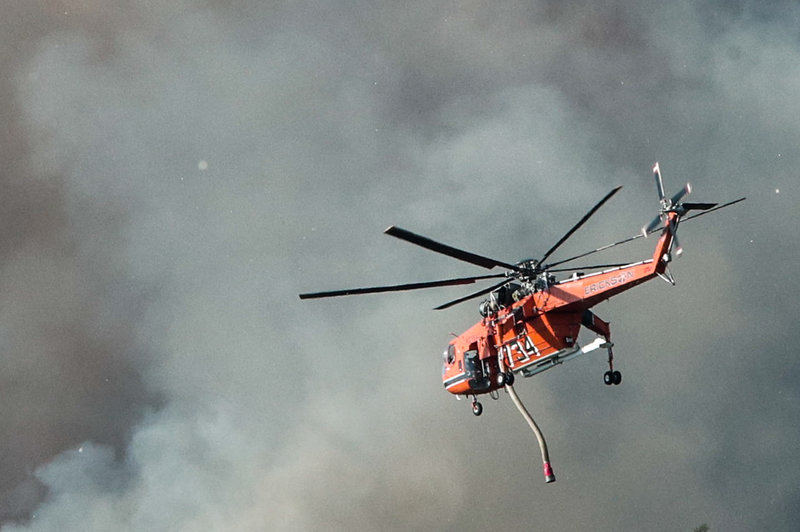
477 408
593 323
611 376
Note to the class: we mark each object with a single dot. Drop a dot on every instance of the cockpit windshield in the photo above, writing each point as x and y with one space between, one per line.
450 354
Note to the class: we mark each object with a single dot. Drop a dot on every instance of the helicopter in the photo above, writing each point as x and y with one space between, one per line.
530 320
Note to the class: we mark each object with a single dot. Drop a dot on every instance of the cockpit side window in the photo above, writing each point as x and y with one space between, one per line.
451 354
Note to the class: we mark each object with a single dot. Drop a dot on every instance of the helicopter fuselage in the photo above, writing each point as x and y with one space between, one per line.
540 329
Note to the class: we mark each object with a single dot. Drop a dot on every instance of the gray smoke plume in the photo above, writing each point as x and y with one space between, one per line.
174 175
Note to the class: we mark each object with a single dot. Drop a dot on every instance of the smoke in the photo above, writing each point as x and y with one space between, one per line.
174 176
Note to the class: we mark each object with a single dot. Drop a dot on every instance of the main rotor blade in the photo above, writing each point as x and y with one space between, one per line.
640 235
586 254
594 267
399 287
471 296
444 249
580 223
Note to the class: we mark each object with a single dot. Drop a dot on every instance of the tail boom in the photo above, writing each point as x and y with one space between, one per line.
583 292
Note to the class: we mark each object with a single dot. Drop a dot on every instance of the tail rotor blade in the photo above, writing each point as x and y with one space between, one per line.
686 190
659 182
677 245
673 228
649 228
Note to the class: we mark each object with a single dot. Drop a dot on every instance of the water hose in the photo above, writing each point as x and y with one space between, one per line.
549 476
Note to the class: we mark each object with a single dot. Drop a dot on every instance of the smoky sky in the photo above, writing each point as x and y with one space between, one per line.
173 176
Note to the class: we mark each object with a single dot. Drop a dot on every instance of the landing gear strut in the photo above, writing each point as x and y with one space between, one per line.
593 323
611 376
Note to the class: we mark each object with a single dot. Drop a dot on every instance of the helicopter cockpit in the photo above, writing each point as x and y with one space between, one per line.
503 297
463 371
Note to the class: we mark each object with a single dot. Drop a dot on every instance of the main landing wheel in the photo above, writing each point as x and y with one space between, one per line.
510 378
612 377
477 408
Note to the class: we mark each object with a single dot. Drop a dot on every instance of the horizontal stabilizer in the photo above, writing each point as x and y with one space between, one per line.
698 206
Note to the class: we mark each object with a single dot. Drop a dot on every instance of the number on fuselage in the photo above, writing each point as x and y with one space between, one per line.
520 351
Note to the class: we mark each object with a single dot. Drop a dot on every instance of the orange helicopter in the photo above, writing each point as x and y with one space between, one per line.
530 321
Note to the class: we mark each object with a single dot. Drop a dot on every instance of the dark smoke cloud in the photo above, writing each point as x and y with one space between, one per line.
174 176
70 356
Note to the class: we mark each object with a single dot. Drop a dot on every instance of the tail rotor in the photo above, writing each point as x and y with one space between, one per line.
672 205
